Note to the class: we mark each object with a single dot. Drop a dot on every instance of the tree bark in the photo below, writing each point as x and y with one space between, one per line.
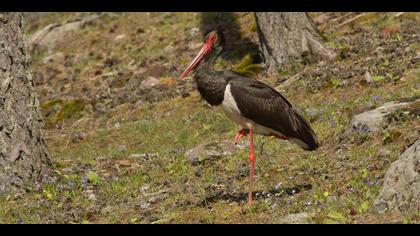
24 157
287 39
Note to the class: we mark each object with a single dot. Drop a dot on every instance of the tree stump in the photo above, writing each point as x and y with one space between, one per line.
287 39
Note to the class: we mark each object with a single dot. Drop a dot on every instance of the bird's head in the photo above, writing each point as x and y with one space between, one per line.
213 46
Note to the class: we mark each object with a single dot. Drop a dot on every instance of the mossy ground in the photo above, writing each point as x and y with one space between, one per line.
339 182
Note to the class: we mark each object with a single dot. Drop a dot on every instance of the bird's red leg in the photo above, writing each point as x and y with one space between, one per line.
251 158
241 133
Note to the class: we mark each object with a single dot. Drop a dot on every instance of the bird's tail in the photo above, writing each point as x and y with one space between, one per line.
307 138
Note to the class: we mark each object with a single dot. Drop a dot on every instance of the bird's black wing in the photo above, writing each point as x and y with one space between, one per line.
265 106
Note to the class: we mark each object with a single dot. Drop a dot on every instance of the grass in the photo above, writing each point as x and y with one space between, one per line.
341 191
338 183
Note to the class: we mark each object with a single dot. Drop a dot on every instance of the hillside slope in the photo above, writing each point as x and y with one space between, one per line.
119 125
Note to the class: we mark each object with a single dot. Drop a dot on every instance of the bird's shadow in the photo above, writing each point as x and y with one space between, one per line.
236 46
242 196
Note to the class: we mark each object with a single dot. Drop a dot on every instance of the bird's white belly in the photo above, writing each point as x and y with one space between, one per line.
232 111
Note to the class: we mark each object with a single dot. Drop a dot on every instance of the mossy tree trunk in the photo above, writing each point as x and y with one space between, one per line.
24 157
289 38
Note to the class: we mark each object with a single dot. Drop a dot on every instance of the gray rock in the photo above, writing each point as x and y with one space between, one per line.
299 218
401 188
213 150
91 195
373 120
53 33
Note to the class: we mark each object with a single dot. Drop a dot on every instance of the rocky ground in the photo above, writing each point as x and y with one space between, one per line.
130 144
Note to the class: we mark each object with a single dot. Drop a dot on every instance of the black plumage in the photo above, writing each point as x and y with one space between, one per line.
210 84
256 101
255 106
267 107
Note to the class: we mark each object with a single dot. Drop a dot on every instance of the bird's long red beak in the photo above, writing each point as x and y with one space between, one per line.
204 50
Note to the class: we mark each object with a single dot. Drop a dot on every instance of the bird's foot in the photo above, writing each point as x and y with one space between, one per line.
241 133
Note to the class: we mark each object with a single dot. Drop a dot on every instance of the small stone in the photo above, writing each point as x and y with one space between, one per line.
212 150
119 38
368 77
85 180
92 197
122 148
150 82
194 31
383 152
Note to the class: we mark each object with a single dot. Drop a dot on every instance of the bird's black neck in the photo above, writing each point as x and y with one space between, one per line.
210 83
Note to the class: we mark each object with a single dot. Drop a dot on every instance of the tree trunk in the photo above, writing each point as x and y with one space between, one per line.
287 39
24 157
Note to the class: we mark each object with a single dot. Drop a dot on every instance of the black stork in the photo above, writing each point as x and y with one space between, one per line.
254 106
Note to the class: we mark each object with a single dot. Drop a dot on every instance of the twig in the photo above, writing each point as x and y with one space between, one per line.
132 51
351 20
339 18
399 14
292 79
